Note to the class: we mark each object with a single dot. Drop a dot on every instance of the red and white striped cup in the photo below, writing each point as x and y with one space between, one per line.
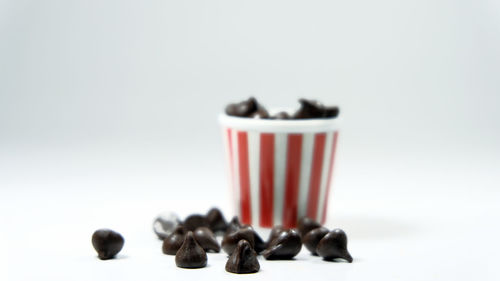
279 170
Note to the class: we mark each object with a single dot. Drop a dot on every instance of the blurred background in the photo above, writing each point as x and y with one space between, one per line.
108 114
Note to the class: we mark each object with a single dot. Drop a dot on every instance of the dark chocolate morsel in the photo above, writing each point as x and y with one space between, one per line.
174 241
312 238
243 259
309 109
192 222
260 113
206 238
333 246
306 224
275 232
107 243
165 224
233 225
231 240
216 220
260 245
286 246
191 254
281 115
331 111
242 109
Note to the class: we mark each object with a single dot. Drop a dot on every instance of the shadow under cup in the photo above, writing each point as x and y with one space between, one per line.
279 170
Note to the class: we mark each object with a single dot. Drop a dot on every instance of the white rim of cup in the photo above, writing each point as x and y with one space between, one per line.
279 125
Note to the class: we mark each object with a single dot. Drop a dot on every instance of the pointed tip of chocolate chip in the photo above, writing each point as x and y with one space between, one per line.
190 254
107 243
334 246
243 259
284 247
206 238
216 220
233 225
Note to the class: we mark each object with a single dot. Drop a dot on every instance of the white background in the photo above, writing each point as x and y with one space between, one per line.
108 117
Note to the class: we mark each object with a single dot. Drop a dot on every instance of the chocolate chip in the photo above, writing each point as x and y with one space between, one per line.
192 222
286 246
107 243
242 109
190 254
206 238
230 240
216 220
334 245
309 109
281 115
233 225
165 224
312 238
260 245
174 241
243 259
261 113
306 224
275 232
331 112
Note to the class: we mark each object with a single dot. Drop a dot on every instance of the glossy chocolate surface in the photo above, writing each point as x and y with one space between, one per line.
243 259
107 243
190 254
334 246
284 247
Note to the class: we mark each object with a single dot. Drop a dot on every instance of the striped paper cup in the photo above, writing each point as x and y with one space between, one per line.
279 170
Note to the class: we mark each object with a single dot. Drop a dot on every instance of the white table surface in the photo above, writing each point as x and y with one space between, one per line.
436 226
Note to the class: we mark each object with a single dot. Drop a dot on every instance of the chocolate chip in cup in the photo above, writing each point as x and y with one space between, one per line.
267 157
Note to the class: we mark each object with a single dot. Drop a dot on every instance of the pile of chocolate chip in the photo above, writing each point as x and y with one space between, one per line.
191 239
309 109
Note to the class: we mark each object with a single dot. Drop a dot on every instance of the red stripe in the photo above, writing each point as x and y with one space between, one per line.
231 166
246 215
266 179
330 174
294 151
317 166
